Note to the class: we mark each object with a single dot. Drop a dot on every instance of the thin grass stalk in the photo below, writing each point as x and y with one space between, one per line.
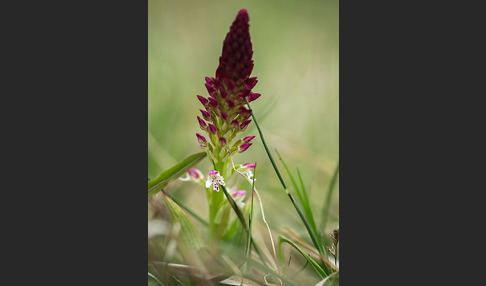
197 217
250 220
307 226
317 267
325 209
308 209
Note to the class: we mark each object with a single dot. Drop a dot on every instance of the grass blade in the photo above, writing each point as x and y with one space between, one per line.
173 173
153 280
189 235
308 209
314 264
307 219
325 209
188 210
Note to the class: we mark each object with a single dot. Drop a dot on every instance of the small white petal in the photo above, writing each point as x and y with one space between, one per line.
208 183
185 178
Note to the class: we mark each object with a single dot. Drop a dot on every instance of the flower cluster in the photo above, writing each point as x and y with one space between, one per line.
225 113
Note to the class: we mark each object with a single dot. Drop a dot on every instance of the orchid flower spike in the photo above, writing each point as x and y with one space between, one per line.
215 179
225 113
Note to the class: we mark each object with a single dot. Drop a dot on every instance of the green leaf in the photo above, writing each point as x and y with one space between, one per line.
173 173
307 218
282 239
188 233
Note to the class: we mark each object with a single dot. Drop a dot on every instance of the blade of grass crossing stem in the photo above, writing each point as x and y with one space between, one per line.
265 269
308 209
325 209
266 147
314 235
238 212
250 216
189 211
250 220
189 234
173 173
152 280
282 239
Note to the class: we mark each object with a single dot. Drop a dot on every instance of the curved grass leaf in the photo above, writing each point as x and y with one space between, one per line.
152 280
173 173
189 235
282 239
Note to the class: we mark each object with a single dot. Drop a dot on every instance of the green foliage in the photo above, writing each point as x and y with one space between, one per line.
314 264
190 236
173 173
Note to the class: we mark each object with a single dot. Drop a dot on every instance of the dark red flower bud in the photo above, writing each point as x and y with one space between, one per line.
223 93
244 112
224 115
210 89
243 147
213 102
247 139
206 115
253 96
209 80
202 140
223 142
202 123
235 124
203 100
213 128
231 103
251 82
244 125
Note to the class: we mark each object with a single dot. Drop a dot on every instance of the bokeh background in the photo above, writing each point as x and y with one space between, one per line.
296 57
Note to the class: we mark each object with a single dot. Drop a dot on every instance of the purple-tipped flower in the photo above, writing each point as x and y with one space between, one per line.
202 123
244 125
226 110
247 139
251 82
249 165
202 140
194 173
213 102
247 169
252 96
223 142
224 115
243 147
206 115
203 100
235 124
238 194
213 128
210 89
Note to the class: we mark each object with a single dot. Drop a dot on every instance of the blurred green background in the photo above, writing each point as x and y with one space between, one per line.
296 57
